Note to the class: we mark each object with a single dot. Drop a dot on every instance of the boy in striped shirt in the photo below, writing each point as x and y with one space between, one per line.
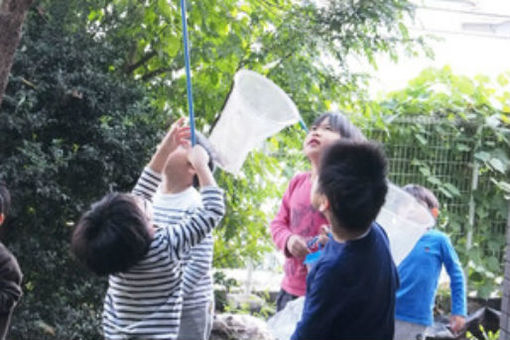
116 237
177 197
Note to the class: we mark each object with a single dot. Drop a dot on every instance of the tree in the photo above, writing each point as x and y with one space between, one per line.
12 16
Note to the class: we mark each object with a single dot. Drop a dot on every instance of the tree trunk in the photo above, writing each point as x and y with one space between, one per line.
12 15
505 304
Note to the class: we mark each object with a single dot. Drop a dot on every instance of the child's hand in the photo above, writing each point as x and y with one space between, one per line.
198 157
457 323
323 235
296 245
178 134
199 160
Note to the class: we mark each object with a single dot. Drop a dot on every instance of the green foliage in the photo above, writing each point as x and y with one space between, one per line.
443 131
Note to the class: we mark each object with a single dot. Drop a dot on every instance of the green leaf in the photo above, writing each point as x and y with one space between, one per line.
482 156
493 264
498 165
421 139
502 80
452 189
463 147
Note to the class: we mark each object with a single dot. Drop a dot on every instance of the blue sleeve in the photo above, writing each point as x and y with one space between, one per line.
457 281
319 295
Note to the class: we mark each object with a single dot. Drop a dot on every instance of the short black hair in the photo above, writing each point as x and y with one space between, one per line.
204 142
342 125
5 199
352 175
112 236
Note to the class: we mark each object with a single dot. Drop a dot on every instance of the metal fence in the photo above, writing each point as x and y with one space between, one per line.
438 150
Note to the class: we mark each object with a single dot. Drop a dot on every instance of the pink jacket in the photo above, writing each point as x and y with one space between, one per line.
296 216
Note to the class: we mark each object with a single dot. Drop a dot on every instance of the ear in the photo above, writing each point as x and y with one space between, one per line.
191 170
324 204
2 218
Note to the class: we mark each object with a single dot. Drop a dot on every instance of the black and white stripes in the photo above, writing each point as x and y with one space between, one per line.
145 302
197 282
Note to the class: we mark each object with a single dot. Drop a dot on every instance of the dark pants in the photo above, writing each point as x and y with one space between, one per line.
283 298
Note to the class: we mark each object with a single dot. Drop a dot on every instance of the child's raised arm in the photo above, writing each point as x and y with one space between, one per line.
199 159
177 135
150 178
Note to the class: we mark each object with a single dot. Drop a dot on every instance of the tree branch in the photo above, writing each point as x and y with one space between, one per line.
156 72
132 67
12 16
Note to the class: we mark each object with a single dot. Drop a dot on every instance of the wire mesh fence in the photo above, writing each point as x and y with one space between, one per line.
433 156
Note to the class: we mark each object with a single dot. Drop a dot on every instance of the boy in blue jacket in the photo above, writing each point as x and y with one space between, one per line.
419 274
351 289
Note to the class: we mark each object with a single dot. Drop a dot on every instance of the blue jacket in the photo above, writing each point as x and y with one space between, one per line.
350 292
419 274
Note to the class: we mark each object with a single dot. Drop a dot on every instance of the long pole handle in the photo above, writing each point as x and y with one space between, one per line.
188 72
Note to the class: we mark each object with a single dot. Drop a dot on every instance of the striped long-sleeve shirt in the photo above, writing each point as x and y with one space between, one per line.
145 302
197 284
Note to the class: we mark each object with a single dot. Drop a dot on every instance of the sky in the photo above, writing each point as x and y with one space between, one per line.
474 38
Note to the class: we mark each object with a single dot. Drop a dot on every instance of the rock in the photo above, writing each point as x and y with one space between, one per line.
239 327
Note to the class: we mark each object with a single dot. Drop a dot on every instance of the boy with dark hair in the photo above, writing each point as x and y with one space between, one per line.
351 289
117 237
177 197
10 273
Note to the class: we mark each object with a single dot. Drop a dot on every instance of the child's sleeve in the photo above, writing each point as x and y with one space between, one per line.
10 281
457 281
147 184
194 227
280 226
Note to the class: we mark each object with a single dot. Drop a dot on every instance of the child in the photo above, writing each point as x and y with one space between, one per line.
350 291
297 221
176 198
116 237
419 273
10 273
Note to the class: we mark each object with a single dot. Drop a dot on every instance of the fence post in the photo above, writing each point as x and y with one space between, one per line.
472 207
504 322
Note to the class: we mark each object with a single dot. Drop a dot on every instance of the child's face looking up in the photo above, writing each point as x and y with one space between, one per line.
318 138
178 165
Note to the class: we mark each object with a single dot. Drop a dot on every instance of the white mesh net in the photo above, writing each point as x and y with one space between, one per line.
256 109
405 220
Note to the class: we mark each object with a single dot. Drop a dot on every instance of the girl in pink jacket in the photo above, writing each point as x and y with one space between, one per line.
297 221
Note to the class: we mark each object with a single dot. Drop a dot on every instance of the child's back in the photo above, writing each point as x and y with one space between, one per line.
356 281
